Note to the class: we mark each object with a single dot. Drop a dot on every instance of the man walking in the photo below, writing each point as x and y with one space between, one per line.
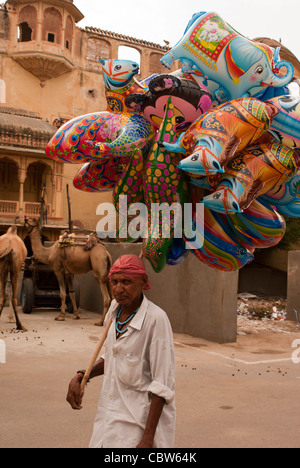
136 406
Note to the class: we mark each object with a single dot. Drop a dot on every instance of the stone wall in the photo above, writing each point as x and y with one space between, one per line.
199 300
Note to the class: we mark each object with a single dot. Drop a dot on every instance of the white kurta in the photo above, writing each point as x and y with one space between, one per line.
140 363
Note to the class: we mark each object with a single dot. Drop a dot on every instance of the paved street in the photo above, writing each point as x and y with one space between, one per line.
237 395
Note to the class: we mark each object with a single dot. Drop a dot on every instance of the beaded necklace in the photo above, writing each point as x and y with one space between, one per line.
121 324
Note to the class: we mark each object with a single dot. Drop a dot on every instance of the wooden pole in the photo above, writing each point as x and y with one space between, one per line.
95 355
69 211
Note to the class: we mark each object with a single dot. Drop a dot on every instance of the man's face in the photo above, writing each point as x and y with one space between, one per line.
127 290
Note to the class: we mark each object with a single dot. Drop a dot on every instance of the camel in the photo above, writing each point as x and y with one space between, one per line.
12 256
68 260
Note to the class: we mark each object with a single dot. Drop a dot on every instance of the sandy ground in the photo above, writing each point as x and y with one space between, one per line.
240 395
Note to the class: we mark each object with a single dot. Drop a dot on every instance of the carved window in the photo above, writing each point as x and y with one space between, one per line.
69 33
34 182
27 24
9 183
52 26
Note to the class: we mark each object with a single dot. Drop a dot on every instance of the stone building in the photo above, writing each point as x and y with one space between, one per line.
49 74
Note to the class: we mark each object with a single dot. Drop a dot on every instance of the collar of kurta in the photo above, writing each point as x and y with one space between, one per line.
138 319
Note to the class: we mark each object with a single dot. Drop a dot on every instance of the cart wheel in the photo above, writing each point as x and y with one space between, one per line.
27 296
77 297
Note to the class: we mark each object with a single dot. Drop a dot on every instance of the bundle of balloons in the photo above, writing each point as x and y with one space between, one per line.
223 131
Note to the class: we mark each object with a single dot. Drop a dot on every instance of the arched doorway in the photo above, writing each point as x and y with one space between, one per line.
39 175
9 187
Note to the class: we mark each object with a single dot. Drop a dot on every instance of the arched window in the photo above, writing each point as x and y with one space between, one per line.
52 26
27 24
35 179
69 33
9 182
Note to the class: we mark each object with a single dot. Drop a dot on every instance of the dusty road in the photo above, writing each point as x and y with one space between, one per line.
237 395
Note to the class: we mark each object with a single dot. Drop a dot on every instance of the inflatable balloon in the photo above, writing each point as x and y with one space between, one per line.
216 136
100 175
177 252
286 123
119 81
130 184
163 185
220 249
286 199
259 226
117 135
251 174
189 99
167 141
237 65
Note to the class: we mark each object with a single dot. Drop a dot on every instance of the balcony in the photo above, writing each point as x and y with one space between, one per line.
45 60
9 209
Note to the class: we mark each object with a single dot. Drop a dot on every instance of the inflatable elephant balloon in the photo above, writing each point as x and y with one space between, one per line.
238 66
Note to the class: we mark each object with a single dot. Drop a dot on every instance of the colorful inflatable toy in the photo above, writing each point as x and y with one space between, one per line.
167 141
190 101
238 66
218 135
101 175
286 124
286 199
220 249
259 226
115 134
251 174
164 185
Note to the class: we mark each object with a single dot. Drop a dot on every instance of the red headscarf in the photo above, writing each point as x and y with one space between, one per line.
132 266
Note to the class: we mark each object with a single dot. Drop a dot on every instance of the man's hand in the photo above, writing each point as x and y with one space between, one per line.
74 396
156 408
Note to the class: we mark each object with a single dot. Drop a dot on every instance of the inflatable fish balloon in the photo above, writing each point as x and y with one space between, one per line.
286 199
286 123
260 226
251 174
218 135
100 175
219 249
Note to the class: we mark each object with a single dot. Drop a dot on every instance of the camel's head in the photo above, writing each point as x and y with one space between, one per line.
31 224
12 230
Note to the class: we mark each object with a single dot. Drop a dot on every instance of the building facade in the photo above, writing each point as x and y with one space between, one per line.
49 74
